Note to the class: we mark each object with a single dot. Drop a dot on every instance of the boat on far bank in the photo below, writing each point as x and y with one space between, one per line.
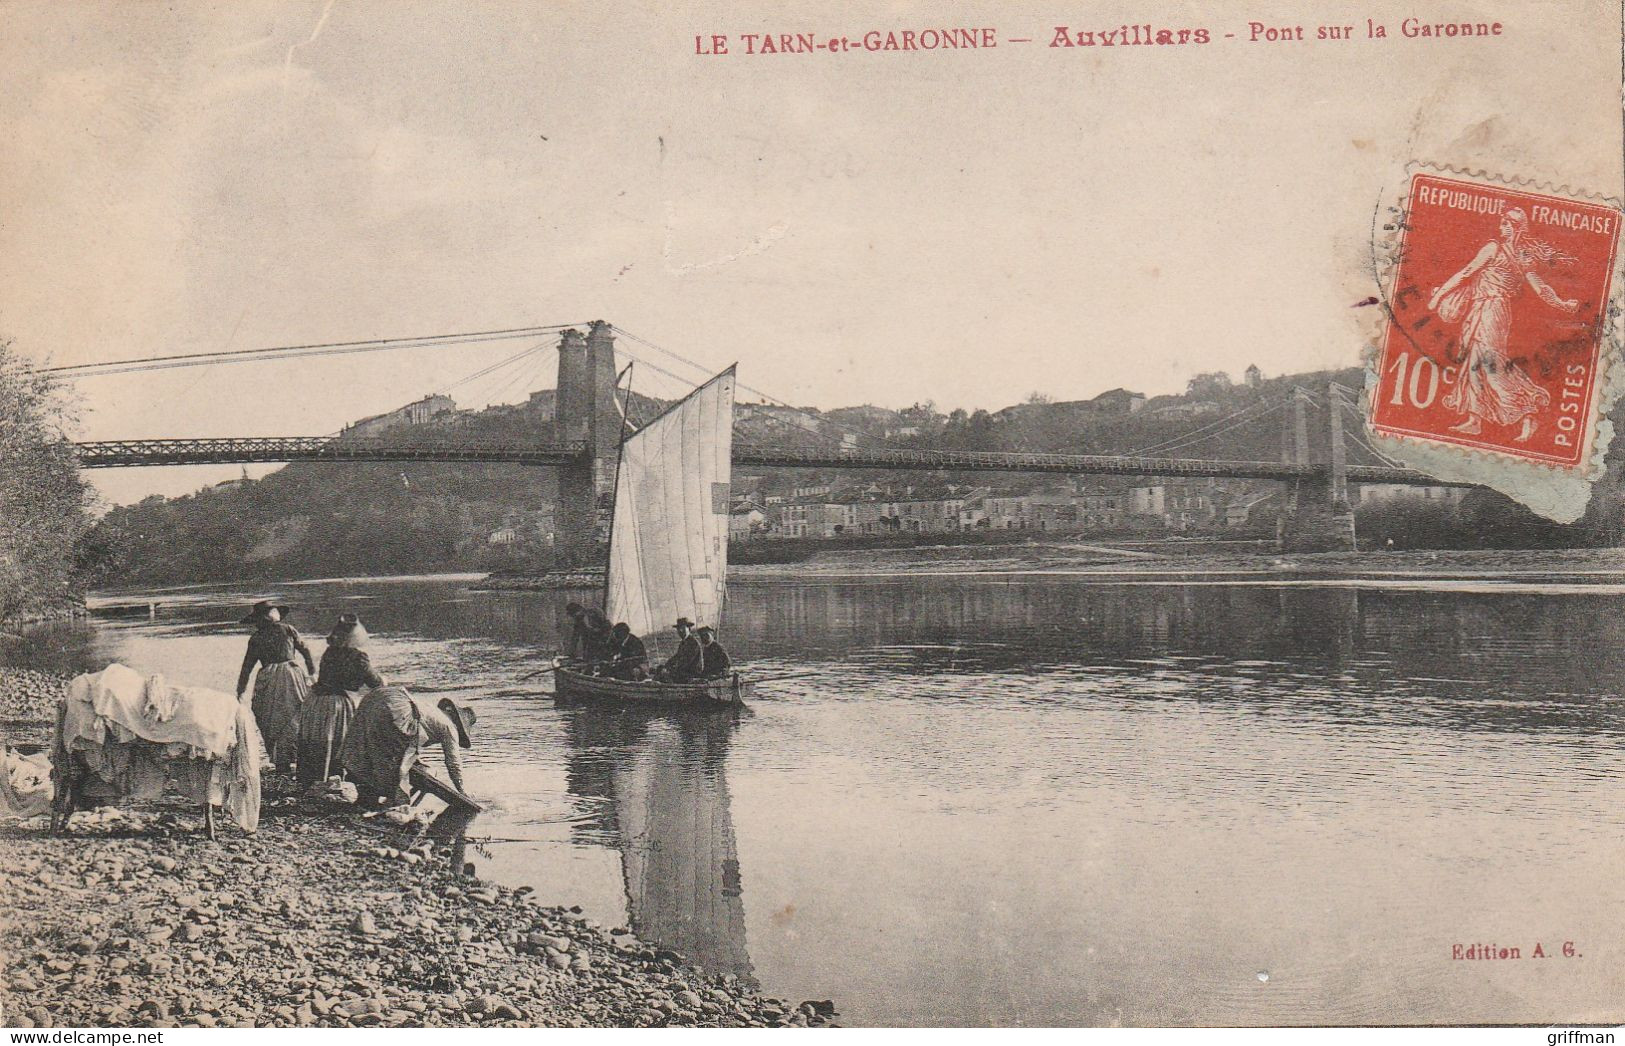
668 545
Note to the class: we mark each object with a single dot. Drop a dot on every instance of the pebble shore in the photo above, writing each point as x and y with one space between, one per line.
29 695
137 919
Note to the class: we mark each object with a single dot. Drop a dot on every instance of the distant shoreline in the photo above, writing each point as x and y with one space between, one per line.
1096 562
1103 562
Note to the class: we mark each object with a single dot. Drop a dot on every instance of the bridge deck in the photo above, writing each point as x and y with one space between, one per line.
130 453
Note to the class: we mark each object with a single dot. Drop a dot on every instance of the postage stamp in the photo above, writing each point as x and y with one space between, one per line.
1497 338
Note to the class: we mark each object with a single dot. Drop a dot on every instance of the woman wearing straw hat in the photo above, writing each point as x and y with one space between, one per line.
389 730
280 688
324 720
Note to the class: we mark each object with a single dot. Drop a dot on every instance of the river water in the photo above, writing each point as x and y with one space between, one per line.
1056 800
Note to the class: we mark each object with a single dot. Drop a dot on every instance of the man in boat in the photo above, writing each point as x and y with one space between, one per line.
390 729
589 634
683 666
714 660
280 688
628 657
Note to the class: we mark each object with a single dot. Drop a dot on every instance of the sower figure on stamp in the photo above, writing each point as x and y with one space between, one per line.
1492 387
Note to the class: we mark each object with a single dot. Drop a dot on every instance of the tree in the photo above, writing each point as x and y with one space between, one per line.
43 501
1210 383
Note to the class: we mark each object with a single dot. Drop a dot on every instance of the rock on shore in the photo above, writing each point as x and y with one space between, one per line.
315 921
30 695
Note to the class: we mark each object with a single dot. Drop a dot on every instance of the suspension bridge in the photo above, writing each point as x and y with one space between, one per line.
252 449
591 416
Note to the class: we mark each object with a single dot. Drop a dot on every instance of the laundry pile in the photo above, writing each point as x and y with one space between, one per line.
121 736
25 785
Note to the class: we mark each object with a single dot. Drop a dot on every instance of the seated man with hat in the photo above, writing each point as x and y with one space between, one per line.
715 663
628 657
685 665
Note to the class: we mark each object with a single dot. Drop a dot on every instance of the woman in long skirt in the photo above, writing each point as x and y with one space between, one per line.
280 688
390 729
346 674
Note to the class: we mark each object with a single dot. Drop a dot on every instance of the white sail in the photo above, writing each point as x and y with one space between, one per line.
668 549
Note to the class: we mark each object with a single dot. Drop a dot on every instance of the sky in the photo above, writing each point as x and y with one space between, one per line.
960 227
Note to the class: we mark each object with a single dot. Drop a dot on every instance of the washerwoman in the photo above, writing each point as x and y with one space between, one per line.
281 687
345 675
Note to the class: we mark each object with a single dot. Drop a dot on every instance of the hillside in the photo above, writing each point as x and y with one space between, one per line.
321 520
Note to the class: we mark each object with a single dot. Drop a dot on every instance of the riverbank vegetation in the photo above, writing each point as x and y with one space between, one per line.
44 504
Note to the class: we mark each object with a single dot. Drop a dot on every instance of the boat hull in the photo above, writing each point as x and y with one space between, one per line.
571 686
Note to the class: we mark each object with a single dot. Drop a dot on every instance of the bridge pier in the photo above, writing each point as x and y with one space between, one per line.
1313 522
586 412
1316 516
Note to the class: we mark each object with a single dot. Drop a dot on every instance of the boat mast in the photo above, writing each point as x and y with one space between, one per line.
615 485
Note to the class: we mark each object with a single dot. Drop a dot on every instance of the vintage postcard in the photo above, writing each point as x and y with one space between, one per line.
809 514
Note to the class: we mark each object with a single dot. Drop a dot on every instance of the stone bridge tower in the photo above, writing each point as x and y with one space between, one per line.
586 412
1316 515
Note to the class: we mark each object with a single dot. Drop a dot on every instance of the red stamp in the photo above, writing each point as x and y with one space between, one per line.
1495 333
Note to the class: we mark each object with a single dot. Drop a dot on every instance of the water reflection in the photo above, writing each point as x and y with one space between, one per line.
450 830
1032 800
659 788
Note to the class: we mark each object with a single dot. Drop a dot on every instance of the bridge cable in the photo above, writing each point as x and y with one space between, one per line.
758 392
1238 423
1358 435
482 372
688 385
1259 408
527 374
204 359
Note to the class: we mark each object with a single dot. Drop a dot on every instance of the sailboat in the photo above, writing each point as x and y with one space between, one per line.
668 542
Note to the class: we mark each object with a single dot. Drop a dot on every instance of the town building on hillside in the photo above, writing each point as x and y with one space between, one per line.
1100 508
1252 376
1051 511
1243 509
1147 500
747 520
1180 503
1377 493
973 513
427 409
1191 503
1007 512
777 415
544 402
1119 401
790 521
1192 409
